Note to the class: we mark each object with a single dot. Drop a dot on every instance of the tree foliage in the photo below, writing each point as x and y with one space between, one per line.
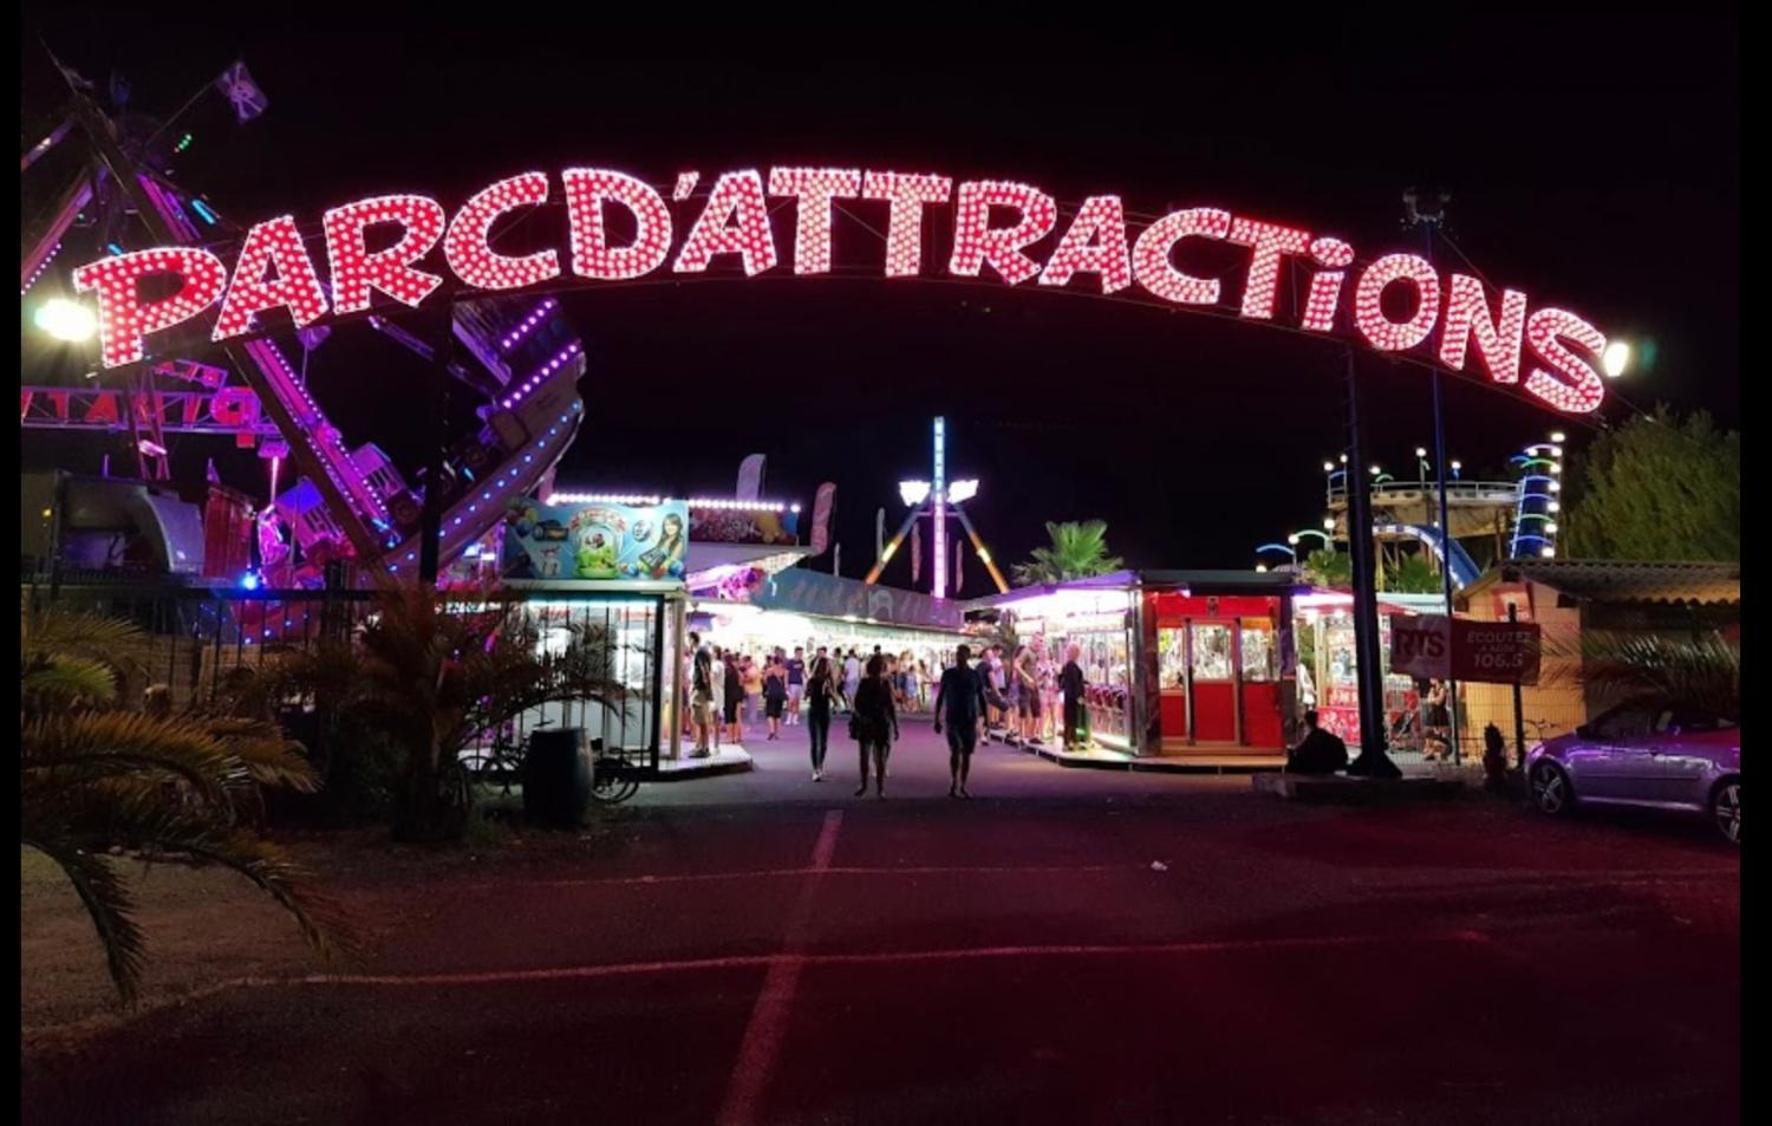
1622 667
1078 550
1658 488
435 672
1326 567
1413 574
95 778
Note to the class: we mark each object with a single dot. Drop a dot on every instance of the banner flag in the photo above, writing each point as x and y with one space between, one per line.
248 100
821 517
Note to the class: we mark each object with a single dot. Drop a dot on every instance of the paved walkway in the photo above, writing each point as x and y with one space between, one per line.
918 771
1071 946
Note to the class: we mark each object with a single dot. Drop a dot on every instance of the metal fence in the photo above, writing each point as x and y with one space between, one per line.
197 636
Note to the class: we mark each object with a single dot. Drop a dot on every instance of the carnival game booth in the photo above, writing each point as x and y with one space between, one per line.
805 608
1328 666
1179 664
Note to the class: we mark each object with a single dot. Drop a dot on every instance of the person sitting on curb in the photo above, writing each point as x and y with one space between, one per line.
1320 752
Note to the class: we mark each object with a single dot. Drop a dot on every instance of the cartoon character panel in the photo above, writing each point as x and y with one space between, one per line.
597 541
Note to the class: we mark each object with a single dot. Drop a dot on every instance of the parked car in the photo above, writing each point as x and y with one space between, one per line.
1662 757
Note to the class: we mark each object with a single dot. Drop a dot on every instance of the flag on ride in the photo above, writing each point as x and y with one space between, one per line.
312 338
248 100
822 504
750 478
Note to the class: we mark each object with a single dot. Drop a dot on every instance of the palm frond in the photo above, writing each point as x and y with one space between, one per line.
84 745
108 904
1701 671
63 682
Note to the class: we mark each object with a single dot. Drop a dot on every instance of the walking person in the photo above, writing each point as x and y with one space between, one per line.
874 725
796 666
851 680
705 699
821 692
775 694
753 690
1070 687
959 705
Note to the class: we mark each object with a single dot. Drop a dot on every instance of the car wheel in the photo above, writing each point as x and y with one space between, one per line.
1725 809
1551 793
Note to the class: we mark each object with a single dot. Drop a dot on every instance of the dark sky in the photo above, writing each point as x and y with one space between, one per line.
1593 161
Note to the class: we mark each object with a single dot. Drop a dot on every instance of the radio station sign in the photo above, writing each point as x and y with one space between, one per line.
1484 652
600 225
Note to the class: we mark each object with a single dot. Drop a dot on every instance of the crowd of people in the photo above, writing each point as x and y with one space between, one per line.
1021 698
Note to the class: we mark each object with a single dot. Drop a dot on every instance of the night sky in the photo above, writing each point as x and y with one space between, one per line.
1593 162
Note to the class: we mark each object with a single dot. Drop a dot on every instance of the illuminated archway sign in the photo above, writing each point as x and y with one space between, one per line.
1552 354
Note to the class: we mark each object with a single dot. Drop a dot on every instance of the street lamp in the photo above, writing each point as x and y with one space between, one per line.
65 320
1421 465
1615 360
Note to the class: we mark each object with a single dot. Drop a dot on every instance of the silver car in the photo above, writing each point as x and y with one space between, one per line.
1663 757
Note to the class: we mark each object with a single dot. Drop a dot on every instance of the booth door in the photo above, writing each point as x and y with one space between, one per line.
1215 688
1259 654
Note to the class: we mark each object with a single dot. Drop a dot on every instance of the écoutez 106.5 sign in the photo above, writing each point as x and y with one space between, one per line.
1552 354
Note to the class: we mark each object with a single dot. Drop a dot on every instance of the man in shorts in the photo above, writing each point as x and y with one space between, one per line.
959 704
796 683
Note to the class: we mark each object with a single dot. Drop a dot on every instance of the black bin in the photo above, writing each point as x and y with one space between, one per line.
557 778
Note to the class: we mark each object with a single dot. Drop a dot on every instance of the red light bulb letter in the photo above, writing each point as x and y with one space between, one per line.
468 246
977 242
123 320
1379 331
814 188
1094 243
587 190
1269 242
1325 291
275 242
1467 314
1150 255
1573 385
355 271
909 193
735 221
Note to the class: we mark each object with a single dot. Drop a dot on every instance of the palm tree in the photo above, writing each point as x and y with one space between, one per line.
1326 567
95 779
1078 551
1413 574
435 676
1700 670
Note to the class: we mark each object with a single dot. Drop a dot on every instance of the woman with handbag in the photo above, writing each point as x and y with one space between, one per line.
874 724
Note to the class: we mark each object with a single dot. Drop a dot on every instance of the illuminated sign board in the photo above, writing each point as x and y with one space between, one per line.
389 247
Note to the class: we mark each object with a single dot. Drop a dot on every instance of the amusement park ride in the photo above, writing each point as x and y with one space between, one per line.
1489 521
935 500
518 357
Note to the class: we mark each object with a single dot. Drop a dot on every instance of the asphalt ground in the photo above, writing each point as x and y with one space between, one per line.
1068 946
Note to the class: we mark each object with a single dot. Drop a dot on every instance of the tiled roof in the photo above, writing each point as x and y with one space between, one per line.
1609 580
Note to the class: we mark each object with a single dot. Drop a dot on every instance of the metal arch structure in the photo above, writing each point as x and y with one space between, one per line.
525 364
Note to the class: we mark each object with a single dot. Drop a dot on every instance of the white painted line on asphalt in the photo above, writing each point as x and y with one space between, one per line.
763 1033
854 870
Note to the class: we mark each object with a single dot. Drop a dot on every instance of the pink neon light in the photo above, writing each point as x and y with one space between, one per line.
1151 263
1573 385
1467 315
1270 242
123 320
355 271
1381 332
814 188
735 221
1095 243
469 252
1325 290
587 191
274 243
977 243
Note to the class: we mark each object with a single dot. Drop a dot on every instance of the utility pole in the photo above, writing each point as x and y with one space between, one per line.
1372 759
430 545
1428 211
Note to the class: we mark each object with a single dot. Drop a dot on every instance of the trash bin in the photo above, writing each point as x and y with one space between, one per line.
557 778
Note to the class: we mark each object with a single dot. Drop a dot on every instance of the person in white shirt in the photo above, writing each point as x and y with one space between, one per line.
851 679
717 677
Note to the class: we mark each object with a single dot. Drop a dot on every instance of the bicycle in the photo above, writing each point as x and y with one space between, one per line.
614 779
502 765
